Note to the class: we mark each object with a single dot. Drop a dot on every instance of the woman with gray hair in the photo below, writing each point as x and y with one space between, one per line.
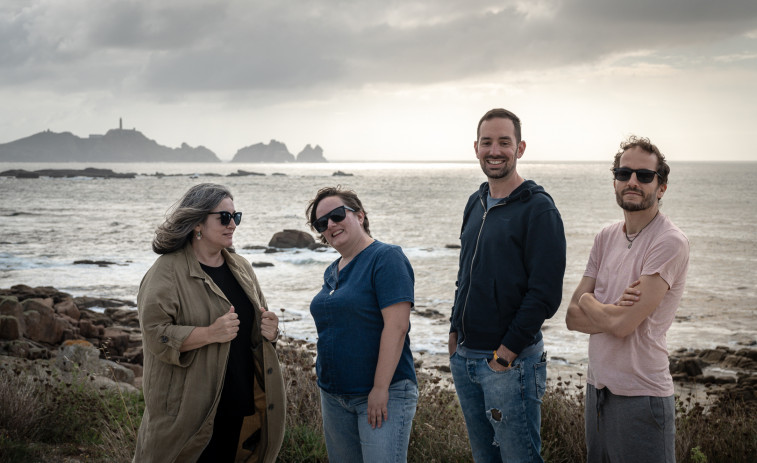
212 383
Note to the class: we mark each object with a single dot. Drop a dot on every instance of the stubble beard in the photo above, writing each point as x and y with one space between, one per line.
647 201
508 169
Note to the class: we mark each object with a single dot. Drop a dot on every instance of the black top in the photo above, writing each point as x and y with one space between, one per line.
237 397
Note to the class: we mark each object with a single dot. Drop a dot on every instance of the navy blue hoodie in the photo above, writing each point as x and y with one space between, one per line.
512 263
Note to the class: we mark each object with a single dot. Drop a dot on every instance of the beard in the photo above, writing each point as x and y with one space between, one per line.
647 200
497 174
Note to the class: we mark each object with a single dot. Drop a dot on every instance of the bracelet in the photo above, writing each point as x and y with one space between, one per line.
502 361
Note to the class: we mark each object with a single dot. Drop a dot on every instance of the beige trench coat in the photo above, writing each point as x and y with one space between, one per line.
182 390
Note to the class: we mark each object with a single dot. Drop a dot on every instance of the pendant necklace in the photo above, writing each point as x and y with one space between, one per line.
630 241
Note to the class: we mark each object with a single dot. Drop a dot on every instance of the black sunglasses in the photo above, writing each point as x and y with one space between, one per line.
336 216
643 175
227 216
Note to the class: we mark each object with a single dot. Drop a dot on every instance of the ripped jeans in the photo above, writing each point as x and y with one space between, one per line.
502 409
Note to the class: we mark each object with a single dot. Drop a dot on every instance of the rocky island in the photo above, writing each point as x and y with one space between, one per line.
131 145
276 151
117 145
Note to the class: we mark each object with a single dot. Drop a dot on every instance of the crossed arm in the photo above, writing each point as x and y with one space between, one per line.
587 315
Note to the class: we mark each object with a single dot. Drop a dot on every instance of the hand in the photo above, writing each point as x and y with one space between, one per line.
269 324
630 295
377 400
505 354
225 328
452 343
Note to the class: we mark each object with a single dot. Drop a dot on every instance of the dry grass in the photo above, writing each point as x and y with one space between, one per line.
48 420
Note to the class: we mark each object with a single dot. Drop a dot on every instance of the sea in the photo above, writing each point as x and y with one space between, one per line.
48 223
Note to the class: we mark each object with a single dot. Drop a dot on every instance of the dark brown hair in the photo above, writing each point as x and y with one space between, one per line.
640 142
504 114
348 197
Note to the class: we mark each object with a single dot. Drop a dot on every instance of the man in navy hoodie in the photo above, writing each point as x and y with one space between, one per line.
512 262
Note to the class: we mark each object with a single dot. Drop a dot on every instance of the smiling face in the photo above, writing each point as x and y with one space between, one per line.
497 148
341 235
632 195
216 236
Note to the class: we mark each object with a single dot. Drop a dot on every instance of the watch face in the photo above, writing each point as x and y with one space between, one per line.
502 362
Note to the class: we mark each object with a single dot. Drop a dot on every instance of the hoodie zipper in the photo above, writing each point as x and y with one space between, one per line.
473 258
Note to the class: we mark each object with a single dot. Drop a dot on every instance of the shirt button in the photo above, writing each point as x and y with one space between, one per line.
270 407
164 339
270 370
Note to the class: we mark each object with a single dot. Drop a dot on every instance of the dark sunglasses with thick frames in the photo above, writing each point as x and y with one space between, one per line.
623 174
227 216
336 216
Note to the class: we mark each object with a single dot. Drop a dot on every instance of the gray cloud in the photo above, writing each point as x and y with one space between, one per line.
285 45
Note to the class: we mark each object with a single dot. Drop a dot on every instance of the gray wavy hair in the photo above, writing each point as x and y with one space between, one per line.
192 209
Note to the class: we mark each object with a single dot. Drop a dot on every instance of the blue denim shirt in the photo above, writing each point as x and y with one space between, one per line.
347 314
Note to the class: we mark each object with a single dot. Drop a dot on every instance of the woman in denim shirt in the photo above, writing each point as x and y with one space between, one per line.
362 313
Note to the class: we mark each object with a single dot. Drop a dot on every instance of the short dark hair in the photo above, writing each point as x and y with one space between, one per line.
501 113
348 197
640 142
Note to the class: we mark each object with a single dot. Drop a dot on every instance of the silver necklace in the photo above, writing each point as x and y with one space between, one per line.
630 241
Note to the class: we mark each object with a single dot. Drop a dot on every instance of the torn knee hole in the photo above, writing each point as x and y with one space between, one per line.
496 414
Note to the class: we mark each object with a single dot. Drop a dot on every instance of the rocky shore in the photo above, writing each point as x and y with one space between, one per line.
43 328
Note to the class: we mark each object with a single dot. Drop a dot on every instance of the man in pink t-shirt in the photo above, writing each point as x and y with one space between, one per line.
627 301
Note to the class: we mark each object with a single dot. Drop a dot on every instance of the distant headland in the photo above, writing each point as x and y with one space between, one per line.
131 145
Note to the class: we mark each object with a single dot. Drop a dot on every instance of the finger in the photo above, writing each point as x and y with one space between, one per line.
263 309
231 309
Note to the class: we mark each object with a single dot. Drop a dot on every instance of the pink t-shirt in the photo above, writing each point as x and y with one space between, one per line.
637 364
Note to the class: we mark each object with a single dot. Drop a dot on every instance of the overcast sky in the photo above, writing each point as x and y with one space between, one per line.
387 80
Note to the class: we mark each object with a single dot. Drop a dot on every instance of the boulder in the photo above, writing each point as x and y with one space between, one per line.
81 355
115 340
68 307
125 317
712 355
689 366
115 371
10 328
10 306
291 239
88 329
42 325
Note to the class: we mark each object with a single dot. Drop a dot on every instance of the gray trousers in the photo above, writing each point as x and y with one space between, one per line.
622 429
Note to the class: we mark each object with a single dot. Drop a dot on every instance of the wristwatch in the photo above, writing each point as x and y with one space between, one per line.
502 361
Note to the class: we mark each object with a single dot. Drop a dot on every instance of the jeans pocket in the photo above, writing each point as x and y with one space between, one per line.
657 409
540 377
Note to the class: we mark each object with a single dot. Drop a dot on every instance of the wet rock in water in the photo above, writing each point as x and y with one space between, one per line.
291 239
86 302
452 246
99 263
262 264
244 173
339 173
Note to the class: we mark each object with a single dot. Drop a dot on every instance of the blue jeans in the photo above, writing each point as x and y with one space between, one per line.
349 436
502 409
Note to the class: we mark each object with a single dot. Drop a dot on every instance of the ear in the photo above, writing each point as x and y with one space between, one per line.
475 148
661 190
521 148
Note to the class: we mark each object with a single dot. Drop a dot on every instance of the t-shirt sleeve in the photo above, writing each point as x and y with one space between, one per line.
668 256
393 278
595 257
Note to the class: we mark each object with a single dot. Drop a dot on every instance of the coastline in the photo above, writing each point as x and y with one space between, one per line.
45 326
